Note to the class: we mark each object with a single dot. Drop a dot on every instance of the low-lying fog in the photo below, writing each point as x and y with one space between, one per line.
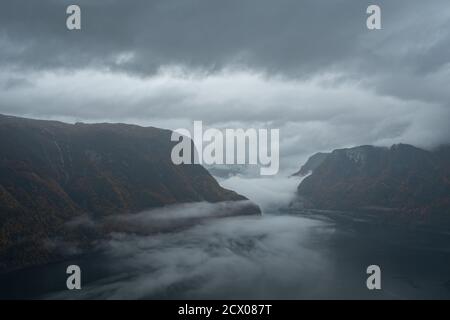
277 255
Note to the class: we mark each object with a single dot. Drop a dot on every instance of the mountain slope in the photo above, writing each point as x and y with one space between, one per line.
402 178
311 164
51 172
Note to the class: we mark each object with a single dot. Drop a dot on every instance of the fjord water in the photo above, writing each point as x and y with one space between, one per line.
284 254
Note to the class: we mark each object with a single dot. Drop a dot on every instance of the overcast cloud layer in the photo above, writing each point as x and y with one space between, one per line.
310 68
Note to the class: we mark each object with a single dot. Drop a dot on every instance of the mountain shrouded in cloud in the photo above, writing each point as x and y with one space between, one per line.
52 172
402 179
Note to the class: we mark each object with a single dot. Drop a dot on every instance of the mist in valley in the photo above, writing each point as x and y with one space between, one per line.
282 254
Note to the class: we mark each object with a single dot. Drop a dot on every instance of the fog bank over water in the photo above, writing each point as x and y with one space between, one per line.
239 257
270 193
294 255
235 257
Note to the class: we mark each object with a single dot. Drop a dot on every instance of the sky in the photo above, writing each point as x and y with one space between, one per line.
310 68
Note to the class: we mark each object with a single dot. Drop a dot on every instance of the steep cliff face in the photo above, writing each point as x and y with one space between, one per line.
311 164
51 172
403 178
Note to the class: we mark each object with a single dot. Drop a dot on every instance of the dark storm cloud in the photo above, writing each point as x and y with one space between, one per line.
205 34
297 38
288 36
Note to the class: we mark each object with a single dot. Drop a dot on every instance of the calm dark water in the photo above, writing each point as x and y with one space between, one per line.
294 255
